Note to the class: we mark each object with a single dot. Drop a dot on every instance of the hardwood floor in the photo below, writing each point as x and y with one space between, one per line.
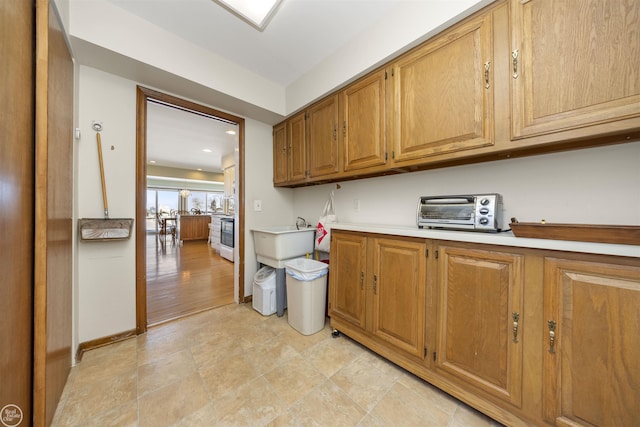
184 279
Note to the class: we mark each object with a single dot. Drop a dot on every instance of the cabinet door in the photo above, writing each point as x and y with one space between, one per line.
323 138
591 372
363 123
347 276
479 293
398 280
577 67
280 154
297 146
443 97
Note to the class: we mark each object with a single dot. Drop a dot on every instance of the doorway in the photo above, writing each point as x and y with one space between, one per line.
144 96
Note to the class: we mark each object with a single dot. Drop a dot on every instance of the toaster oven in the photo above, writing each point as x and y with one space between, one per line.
477 212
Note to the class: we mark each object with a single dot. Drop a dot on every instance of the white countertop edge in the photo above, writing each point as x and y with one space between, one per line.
504 239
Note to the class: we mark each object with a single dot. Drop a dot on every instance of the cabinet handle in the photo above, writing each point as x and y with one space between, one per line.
516 318
487 66
552 335
375 284
344 129
362 280
335 133
514 56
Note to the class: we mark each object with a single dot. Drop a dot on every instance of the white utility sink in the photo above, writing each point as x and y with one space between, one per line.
274 245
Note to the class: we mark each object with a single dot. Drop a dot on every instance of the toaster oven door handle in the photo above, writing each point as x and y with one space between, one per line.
449 199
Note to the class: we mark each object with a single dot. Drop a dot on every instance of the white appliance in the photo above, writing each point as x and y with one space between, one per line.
264 291
226 238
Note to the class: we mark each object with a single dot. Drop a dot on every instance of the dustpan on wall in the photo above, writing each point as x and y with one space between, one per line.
103 229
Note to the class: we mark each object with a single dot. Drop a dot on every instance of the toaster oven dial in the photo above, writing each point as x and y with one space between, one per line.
484 221
485 202
484 211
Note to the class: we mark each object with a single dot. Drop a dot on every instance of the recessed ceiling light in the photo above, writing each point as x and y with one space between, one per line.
207 150
255 12
199 169
231 132
152 161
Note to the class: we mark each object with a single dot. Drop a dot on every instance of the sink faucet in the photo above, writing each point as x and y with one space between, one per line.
301 222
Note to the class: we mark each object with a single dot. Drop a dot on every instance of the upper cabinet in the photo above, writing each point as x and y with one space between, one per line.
280 154
443 93
362 127
519 77
574 68
322 139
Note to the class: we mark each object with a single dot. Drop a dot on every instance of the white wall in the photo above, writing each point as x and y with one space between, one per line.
106 278
591 186
106 270
408 24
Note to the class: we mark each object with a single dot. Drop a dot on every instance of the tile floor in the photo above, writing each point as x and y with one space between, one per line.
233 367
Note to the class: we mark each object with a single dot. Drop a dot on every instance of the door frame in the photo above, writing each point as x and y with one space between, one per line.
142 96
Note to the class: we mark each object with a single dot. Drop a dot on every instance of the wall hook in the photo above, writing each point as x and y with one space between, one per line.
97 126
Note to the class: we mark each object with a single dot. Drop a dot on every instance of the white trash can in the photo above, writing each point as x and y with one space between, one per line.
306 294
264 291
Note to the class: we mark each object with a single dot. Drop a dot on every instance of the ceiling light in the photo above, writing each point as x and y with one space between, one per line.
152 161
255 12
231 132
199 169
207 150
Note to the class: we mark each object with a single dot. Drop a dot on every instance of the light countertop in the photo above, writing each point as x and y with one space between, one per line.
504 239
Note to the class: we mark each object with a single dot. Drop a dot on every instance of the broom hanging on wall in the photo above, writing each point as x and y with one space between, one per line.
97 229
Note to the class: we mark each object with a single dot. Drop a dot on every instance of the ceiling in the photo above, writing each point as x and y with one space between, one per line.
187 140
299 36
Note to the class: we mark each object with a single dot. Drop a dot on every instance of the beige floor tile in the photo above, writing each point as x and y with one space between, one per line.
233 366
429 393
271 354
367 378
204 417
162 372
294 379
254 403
214 347
170 404
89 401
227 374
286 419
125 415
331 355
465 416
404 407
327 405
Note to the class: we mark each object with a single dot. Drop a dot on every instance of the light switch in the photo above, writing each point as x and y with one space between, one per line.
257 205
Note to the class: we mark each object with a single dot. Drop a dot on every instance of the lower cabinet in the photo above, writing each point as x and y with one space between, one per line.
380 288
479 327
592 343
526 336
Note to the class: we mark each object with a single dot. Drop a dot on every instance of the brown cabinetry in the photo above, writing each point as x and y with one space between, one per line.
380 288
479 319
194 227
592 342
527 336
363 127
280 154
574 68
516 78
306 145
443 93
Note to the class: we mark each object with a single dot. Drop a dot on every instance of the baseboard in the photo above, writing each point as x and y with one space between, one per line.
101 342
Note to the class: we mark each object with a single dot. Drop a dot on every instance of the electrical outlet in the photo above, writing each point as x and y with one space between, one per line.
257 205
